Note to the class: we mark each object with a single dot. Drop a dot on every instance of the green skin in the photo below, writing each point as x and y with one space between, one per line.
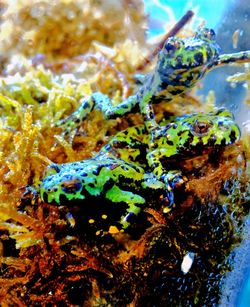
129 163
181 63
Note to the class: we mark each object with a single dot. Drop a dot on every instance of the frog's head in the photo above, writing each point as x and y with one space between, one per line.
184 61
58 185
202 131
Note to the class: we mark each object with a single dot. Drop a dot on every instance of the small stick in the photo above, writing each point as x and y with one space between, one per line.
177 27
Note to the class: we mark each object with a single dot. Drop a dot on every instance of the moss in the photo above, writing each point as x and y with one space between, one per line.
65 28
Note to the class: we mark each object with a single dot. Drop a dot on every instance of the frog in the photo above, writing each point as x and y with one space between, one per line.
181 63
128 168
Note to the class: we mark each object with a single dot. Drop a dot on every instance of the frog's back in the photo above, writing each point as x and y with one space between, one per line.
129 145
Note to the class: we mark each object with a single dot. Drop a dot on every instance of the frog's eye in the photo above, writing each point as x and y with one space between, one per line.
169 47
72 185
200 128
172 45
206 34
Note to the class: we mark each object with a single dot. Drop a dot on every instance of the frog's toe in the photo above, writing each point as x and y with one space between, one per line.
29 193
168 200
178 182
155 132
175 179
127 220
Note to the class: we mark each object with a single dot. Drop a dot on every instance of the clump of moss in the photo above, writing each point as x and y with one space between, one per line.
65 28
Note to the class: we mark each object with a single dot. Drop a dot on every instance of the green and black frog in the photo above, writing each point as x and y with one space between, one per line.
129 168
181 63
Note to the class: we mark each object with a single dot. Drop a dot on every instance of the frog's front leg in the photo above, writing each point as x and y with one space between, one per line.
171 179
97 101
115 194
75 119
225 59
154 158
147 112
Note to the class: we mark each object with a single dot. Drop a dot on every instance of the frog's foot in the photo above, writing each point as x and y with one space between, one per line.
30 193
154 133
167 199
74 120
173 180
151 181
132 210
115 194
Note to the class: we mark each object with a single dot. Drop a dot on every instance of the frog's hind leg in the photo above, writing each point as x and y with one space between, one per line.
75 119
97 101
103 103
117 195
147 112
